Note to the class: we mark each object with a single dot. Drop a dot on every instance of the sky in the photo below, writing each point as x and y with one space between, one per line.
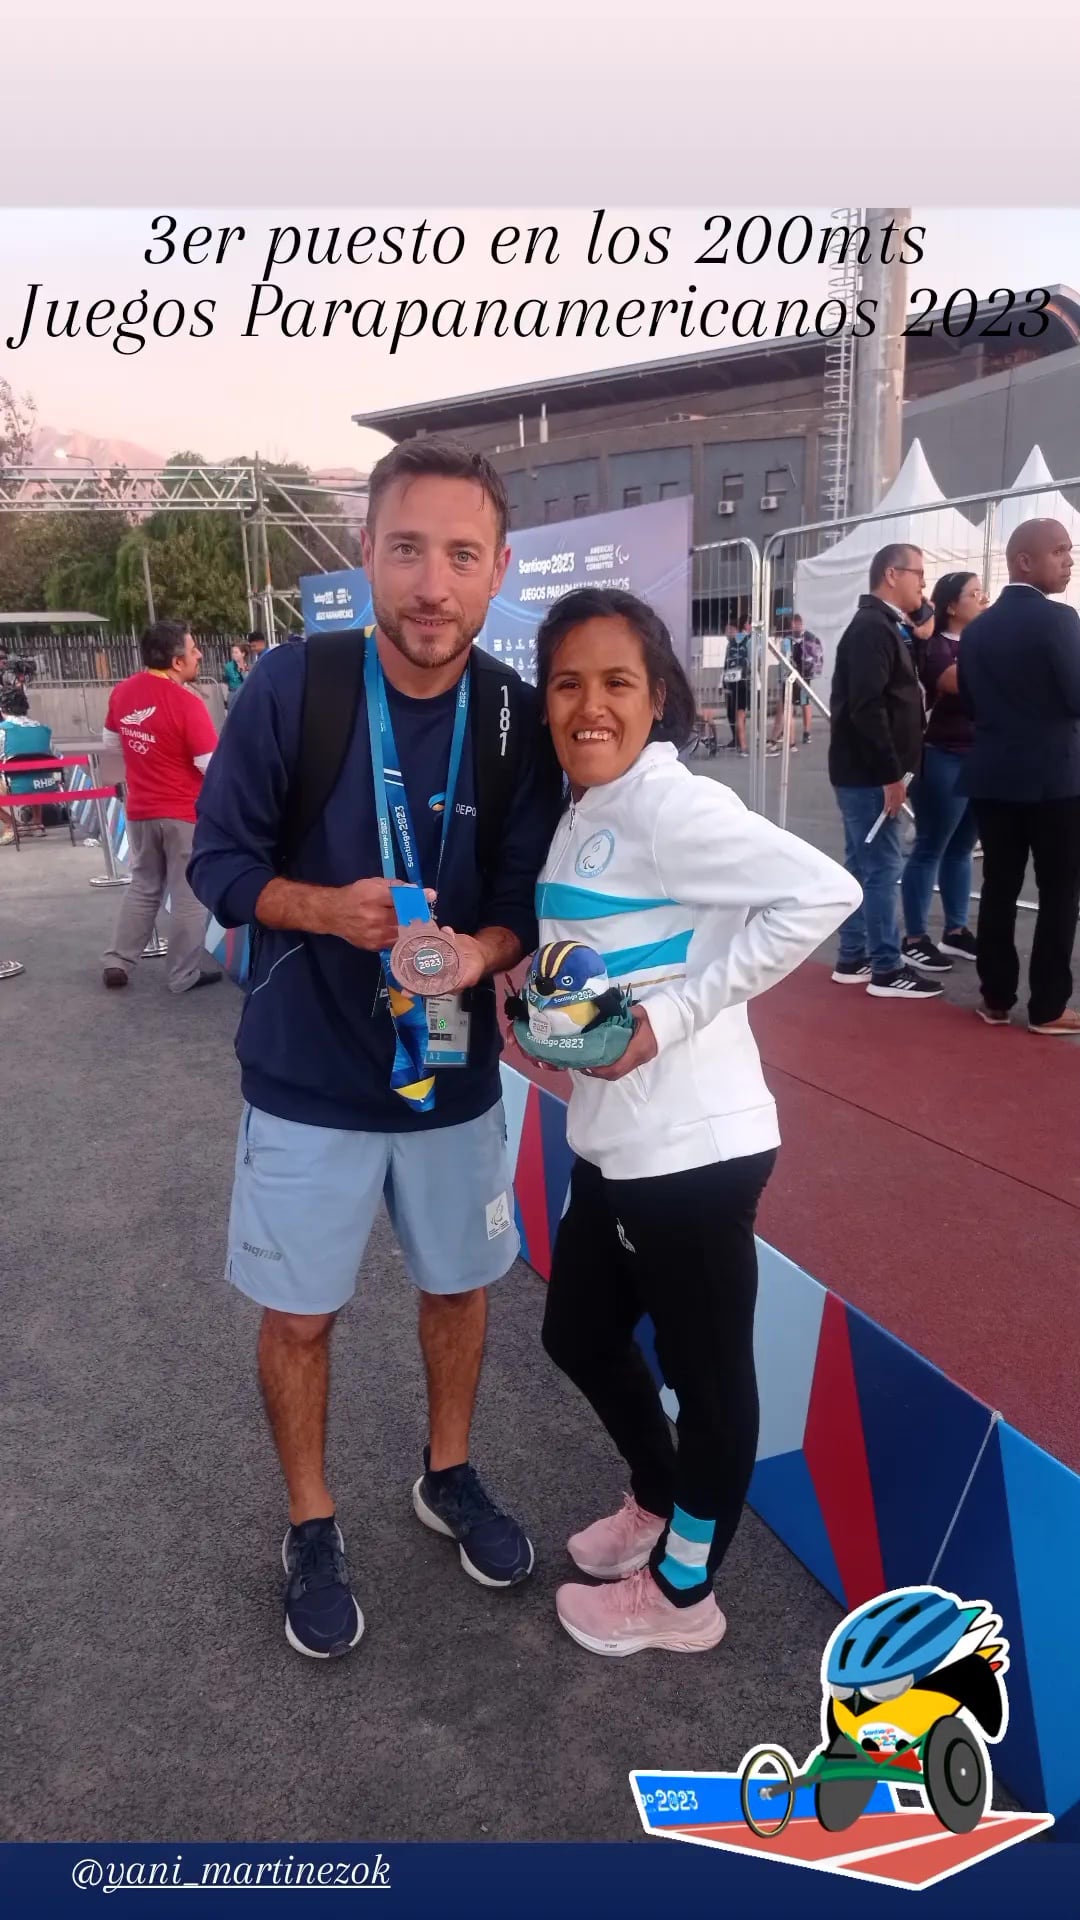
293 398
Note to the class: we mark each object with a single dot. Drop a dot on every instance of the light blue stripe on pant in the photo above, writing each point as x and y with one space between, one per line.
687 1547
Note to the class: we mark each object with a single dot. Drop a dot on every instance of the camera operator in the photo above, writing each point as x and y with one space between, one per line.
13 678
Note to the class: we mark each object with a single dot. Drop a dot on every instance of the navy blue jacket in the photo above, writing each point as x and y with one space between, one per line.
1019 678
316 1041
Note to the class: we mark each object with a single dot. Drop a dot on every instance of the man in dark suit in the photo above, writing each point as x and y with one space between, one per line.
1019 677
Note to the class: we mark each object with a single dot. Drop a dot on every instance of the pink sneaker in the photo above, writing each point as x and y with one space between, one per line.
634 1614
617 1545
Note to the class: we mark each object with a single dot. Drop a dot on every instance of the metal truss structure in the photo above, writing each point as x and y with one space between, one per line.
260 497
130 490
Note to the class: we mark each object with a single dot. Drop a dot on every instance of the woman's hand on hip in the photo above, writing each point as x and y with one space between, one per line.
641 1049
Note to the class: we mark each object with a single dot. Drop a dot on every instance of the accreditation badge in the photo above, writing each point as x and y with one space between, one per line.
449 1026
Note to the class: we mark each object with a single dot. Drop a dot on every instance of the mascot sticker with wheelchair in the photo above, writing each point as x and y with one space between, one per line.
913 1692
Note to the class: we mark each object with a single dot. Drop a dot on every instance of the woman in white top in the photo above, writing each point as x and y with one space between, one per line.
697 905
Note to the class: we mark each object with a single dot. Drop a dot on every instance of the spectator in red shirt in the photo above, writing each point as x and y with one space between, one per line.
167 737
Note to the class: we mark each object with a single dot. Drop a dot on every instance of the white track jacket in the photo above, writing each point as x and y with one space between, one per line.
698 905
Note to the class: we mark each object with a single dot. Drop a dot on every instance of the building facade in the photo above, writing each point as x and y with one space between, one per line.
740 429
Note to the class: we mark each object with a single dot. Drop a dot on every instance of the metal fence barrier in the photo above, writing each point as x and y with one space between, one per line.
107 657
726 589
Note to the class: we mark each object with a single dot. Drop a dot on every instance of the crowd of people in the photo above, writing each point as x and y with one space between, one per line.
973 712
349 783
807 657
805 653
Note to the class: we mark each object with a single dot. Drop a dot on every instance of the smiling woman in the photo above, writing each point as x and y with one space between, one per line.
611 683
693 905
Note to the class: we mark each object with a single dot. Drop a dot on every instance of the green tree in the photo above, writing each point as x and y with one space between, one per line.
58 560
196 565
195 573
18 424
80 552
198 556
20 569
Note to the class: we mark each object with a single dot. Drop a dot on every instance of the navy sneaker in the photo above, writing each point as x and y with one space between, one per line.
494 1549
322 1618
904 984
920 952
961 945
852 973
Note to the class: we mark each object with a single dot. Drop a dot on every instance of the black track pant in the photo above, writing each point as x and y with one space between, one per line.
680 1248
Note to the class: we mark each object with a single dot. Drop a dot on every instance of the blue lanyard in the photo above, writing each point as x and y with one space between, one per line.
391 801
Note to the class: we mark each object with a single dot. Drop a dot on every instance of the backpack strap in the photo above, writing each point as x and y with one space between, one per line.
502 709
333 683
498 711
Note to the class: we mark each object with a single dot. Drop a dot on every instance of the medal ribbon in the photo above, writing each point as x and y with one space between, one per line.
409 1014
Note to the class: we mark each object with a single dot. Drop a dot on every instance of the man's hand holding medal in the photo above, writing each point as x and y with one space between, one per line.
426 959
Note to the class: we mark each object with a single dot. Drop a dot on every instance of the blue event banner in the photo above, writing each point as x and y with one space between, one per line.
335 602
643 550
645 1878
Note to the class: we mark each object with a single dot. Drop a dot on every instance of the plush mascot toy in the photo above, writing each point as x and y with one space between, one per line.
568 1013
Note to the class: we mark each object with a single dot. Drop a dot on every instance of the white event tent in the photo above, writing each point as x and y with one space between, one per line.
828 585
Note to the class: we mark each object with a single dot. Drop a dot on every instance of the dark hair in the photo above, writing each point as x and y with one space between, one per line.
448 460
163 643
661 662
259 638
948 589
894 555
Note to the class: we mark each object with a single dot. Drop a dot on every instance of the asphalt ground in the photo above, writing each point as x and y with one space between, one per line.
149 1693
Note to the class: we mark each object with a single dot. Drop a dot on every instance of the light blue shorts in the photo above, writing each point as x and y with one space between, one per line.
304 1200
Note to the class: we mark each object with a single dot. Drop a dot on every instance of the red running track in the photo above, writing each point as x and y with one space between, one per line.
908 1849
930 1175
